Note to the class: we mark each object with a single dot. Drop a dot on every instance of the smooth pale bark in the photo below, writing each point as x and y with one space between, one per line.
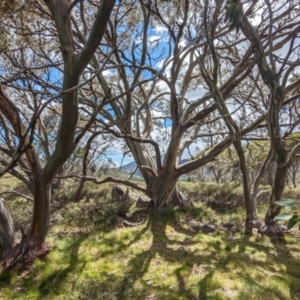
271 226
276 194
7 232
250 203
41 214
164 193
160 181
11 112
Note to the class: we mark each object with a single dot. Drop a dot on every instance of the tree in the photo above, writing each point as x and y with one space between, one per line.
143 108
275 73
153 93
211 77
74 63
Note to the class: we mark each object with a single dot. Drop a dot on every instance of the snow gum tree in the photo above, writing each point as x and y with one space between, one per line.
169 87
276 73
46 44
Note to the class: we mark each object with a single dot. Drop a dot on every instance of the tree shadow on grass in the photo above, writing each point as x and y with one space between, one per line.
292 264
161 245
183 250
170 250
53 281
216 260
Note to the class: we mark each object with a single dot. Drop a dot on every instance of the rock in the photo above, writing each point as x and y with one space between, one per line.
272 229
228 225
253 224
124 199
143 202
207 228
118 192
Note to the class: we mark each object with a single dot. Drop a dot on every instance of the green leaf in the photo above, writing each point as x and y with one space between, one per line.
283 217
286 202
293 221
288 208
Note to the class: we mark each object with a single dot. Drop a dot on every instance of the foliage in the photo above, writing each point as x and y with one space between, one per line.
292 218
232 13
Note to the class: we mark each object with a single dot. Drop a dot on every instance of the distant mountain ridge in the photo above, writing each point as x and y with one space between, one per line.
131 167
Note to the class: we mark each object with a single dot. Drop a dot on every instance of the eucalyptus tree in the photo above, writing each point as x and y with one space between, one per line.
160 46
211 73
155 74
46 66
279 73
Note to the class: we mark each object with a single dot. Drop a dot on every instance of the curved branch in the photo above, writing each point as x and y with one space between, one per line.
105 180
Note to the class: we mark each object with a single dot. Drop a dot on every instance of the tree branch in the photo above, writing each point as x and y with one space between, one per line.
107 179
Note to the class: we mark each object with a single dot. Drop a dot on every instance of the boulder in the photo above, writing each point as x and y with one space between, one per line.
123 198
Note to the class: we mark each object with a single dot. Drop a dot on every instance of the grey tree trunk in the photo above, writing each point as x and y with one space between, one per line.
41 214
74 64
164 193
161 188
271 226
255 186
252 220
233 128
7 232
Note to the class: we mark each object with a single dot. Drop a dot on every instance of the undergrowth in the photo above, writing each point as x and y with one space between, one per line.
169 256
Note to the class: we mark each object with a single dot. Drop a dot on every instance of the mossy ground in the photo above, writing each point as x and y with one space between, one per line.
167 257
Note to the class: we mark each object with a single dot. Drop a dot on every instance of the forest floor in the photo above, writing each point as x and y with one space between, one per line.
200 253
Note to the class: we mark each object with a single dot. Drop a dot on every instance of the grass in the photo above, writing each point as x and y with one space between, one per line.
167 257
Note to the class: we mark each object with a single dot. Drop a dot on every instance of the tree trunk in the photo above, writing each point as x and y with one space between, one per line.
277 88
7 232
252 220
164 193
294 178
41 214
254 190
160 181
77 195
271 226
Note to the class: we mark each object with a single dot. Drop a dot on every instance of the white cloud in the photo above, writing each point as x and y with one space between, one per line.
117 156
160 29
153 40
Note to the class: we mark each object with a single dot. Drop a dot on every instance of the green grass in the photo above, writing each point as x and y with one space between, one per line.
168 257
